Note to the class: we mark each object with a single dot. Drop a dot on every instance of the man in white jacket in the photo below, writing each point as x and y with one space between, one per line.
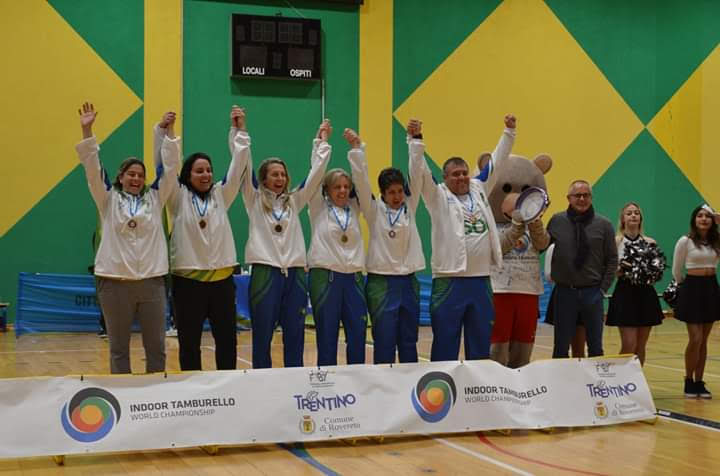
465 243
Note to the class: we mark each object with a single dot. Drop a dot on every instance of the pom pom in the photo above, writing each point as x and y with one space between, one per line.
671 293
643 262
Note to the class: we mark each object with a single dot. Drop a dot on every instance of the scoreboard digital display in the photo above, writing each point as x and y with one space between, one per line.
276 47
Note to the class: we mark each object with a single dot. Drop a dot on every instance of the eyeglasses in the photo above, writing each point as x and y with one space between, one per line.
580 195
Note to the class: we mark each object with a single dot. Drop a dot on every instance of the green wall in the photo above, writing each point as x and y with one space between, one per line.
645 49
282 115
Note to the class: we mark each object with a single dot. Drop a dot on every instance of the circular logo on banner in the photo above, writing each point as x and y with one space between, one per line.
90 415
433 396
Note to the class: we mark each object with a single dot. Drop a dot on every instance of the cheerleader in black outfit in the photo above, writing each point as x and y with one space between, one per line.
698 302
634 308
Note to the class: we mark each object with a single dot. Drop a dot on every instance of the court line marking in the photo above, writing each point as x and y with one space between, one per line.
492 445
674 369
212 347
299 450
483 457
689 420
101 349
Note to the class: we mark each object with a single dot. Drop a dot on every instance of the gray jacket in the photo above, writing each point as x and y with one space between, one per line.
602 260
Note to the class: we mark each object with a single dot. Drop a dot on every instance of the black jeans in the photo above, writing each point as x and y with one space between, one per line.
193 302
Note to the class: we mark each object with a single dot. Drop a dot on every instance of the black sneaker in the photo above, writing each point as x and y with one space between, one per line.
702 391
690 388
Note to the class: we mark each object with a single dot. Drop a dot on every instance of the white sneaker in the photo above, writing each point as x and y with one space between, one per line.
171 332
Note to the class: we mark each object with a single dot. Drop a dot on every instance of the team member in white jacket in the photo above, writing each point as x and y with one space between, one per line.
336 260
276 248
132 258
394 256
202 252
465 242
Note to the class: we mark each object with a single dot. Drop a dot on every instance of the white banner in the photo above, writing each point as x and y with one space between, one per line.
66 415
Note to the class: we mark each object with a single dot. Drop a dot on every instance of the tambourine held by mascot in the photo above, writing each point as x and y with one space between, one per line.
531 203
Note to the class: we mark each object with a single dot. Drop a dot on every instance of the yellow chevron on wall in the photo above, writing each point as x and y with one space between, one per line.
59 71
521 59
687 128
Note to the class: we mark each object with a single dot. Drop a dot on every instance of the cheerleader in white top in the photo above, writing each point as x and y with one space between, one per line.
132 258
394 256
202 251
634 308
336 260
698 302
276 247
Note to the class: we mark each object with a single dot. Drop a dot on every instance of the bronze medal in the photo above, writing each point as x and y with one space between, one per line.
391 233
344 238
278 228
132 224
203 224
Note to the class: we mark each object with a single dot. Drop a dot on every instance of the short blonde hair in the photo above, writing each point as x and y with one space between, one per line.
579 181
332 176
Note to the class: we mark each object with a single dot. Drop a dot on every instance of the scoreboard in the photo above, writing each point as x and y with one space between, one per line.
276 47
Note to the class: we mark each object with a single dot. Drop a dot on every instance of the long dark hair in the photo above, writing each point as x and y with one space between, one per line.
124 166
713 236
187 169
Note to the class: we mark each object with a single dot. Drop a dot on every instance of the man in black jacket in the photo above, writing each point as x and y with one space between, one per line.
583 268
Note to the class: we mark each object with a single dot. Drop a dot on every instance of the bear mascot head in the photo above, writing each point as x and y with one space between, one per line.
517 284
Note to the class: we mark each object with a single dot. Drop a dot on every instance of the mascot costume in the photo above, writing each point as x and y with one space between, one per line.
517 285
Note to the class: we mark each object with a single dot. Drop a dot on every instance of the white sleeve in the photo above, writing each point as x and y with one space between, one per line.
98 181
238 167
361 180
158 137
548 263
419 171
167 179
679 257
243 158
309 189
502 150
159 134
231 138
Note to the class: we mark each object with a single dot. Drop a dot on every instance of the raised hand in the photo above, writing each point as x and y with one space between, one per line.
237 117
324 131
168 123
352 138
510 121
168 119
414 127
87 118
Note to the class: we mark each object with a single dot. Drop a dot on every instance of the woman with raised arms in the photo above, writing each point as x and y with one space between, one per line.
132 258
276 247
394 255
336 260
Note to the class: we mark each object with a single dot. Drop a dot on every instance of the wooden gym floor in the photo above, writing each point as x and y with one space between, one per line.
670 446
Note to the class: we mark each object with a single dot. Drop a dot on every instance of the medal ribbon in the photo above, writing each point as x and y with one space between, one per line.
472 204
197 207
134 205
337 219
276 216
392 222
